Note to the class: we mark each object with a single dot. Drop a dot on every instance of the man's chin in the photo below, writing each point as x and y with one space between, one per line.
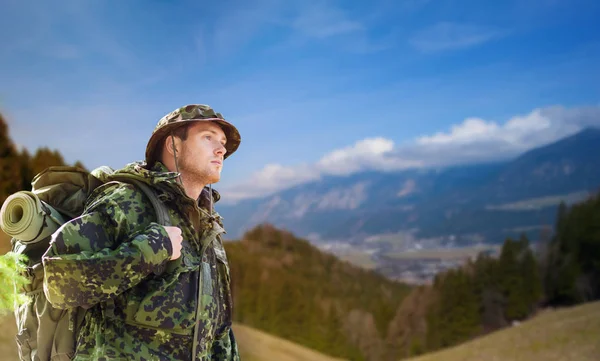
214 180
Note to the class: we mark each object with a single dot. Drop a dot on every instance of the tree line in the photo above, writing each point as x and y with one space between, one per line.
491 293
18 167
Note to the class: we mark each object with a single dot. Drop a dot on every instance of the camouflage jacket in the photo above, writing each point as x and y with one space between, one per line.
114 261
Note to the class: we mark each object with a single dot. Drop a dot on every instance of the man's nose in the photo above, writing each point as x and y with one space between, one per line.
221 150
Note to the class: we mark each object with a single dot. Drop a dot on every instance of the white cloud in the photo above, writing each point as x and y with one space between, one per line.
370 153
449 36
517 134
363 154
472 140
469 130
271 178
472 130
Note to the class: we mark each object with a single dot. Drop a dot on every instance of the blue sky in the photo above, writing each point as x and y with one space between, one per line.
315 87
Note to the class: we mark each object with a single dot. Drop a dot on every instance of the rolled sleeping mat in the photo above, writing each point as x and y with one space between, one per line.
25 217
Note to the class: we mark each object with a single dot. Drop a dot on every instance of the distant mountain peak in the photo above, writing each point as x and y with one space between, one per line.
588 131
579 143
465 202
585 134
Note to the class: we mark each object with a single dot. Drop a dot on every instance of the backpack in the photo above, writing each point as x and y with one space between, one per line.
58 194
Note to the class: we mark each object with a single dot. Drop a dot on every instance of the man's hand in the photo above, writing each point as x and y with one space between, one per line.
176 238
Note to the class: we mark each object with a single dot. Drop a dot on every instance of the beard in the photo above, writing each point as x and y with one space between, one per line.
196 172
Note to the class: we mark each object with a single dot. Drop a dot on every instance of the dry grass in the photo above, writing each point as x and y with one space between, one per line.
4 243
8 347
256 345
559 335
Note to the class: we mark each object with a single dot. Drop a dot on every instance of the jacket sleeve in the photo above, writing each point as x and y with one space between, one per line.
110 248
225 348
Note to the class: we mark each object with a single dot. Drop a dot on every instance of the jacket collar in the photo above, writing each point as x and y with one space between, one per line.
165 181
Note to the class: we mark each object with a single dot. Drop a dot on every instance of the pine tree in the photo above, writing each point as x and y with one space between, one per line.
26 171
492 300
532 283
561 218
455 315
573 266
80 165
44 158
10 169
520 289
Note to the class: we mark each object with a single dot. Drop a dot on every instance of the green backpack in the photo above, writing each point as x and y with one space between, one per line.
58 194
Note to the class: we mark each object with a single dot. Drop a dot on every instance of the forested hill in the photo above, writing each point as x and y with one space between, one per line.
287 287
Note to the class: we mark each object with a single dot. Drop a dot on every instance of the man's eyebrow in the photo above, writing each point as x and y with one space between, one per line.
215 133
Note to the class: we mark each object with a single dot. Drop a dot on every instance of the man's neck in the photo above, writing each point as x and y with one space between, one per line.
192 188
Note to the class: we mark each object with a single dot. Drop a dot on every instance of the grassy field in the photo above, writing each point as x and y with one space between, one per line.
4 243
259 346
8 348
571 334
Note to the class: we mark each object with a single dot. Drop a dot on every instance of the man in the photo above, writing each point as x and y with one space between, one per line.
153 292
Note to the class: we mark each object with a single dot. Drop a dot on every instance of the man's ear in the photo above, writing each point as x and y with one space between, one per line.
168 144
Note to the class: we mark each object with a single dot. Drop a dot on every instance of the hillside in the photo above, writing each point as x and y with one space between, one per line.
256 345
560 335
285 286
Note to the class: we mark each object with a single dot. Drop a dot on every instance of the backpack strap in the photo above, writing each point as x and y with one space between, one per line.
161 211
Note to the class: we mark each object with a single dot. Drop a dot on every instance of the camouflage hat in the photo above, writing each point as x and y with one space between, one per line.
191 113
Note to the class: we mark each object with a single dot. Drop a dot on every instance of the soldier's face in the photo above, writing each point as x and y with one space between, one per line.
203 152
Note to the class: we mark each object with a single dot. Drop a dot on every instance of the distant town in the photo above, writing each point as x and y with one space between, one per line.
415 265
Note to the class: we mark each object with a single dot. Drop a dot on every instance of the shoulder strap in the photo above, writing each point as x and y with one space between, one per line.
161 212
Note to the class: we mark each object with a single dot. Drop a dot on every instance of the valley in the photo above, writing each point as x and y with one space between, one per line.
416 265
444 206
409 225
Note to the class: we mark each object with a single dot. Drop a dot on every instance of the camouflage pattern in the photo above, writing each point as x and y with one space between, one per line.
114 260
192 112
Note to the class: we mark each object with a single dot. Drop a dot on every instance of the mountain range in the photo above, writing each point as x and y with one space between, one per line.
451 206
